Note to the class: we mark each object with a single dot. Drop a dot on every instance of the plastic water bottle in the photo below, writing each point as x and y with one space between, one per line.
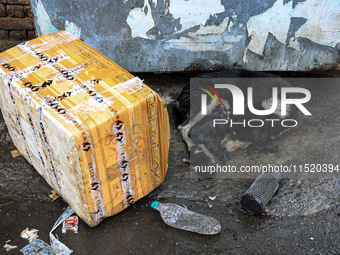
260 192
180 217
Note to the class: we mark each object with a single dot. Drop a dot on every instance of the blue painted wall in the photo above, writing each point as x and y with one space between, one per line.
177 35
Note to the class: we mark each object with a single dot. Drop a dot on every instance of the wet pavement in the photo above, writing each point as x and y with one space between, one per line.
303 218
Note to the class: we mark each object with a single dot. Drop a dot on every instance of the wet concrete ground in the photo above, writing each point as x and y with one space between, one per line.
304 217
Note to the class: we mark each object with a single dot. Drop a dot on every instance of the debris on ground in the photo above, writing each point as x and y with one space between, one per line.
187 161
37 247
9 247
15 153
260 192
232 232
180 217
7 203
30 235
71 223
53 194
209 203
57 246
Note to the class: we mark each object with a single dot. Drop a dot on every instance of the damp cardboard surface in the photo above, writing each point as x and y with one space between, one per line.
98 135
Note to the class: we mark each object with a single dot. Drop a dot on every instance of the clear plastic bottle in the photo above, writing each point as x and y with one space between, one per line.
180 217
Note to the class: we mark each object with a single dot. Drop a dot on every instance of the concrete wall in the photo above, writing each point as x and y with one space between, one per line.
177 35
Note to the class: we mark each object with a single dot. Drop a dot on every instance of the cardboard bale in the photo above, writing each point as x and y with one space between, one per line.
97 134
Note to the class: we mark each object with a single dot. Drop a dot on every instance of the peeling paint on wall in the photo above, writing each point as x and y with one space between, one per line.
194 12
205 30
141 21
175 35
43 22
206 38
154 2
197 44
72 28
275 20
323 21
321 24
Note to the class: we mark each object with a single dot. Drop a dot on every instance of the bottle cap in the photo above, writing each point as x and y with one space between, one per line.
155 204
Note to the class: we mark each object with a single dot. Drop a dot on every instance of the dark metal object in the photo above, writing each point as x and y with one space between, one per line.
260 192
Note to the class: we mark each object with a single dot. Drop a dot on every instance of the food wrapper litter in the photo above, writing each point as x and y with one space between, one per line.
98 135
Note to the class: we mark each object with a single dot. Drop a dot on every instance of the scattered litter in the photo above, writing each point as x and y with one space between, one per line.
30 235
53 194
232 232
71 223
7 203
58 247
210 204
187 161
37 247
15 153
182 218
9 247
311 238
212 198
260 192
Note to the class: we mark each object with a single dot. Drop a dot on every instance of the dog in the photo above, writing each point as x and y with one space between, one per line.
209 143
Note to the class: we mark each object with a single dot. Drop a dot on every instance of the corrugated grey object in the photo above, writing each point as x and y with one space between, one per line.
260 192
177 35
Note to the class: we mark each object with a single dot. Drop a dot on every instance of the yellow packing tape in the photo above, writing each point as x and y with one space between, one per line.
97 134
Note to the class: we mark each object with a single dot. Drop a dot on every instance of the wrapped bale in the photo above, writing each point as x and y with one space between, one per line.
98 135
